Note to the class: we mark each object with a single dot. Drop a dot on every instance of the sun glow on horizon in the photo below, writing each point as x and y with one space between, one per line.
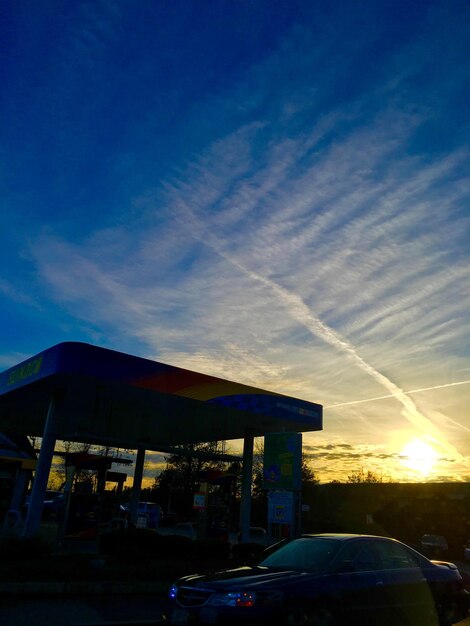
419 456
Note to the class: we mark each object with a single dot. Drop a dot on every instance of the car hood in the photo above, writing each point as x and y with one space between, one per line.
248 577
447 564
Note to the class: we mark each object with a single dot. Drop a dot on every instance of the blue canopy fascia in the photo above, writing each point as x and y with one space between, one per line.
108 397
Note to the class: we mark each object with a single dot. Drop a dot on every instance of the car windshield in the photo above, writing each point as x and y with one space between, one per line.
307 554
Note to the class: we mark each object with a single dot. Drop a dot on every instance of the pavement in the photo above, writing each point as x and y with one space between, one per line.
85 587
80 610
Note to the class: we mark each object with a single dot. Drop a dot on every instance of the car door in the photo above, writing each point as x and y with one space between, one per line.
406 593
357 583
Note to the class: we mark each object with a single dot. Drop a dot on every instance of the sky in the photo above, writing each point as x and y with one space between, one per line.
276 193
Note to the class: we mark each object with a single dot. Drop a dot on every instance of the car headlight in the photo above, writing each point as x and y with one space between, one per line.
233 598
173 591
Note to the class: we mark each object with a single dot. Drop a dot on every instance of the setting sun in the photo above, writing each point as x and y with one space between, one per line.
419 456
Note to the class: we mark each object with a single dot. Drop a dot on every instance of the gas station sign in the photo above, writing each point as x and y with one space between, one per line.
282 467
281 507
199 501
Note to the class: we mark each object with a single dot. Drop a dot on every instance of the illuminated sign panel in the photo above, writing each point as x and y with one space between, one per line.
281 507
282 461
199 501
25 371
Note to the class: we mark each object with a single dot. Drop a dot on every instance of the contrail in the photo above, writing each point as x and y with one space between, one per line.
405 393
301 312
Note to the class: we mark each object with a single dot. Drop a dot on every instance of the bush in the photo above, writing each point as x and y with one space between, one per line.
211 549
176 547
243 551
131 543
141 543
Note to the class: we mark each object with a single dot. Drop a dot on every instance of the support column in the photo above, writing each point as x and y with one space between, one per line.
70 471
41 475
12 523
137 483
23 476
247 479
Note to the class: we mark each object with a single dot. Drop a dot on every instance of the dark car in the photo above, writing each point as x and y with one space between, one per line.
53 501
434 546
324 580
466 551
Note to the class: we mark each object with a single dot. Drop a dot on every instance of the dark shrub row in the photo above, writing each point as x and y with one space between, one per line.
243 551
211 549
141 542
135 543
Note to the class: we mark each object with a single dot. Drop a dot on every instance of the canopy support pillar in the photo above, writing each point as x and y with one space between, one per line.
41 475
137 483
23 476
247 478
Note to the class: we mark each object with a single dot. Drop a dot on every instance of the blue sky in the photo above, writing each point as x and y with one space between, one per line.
272 192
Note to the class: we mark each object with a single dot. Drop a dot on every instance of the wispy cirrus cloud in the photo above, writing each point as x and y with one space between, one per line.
300 312
300 235
191 205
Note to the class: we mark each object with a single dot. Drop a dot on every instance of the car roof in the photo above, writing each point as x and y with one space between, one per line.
345 536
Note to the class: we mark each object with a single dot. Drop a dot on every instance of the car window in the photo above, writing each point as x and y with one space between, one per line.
368 559
395 556
305 554
358 556
345 561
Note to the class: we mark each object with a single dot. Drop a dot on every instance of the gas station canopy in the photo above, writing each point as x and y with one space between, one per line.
106 397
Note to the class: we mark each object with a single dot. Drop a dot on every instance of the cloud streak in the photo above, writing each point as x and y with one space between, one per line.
444 386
